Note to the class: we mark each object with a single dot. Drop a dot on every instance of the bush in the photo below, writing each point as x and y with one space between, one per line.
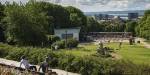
125 67
34 55
60 44
52 39
72 43
11 41
4 50
86 65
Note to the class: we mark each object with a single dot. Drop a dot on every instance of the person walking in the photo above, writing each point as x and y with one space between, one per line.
120 44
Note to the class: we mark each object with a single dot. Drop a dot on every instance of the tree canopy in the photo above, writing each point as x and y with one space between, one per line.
143 28
25 25
77 18
30 23
2 37
131 26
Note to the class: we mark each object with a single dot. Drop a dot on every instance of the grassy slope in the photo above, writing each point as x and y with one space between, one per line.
135 53
82 50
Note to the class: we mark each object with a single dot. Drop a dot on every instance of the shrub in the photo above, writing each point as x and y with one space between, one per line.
15 53
52 39
60 44
86 65
34 55
4 50
125 67
11 41
72 43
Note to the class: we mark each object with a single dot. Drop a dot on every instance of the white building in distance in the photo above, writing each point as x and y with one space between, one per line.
65 33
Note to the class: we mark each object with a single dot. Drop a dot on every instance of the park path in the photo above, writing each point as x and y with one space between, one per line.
15 63
145 44
116 56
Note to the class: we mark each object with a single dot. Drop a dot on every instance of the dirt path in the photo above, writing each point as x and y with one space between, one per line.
116 56
15 63
145 44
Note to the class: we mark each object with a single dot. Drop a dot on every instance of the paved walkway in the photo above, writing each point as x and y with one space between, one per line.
15 63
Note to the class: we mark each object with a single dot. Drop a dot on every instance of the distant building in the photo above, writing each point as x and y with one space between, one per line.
133 16
68 33
109 35
119 19
103 17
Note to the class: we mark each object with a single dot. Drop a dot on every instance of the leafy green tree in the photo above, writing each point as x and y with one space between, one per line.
61 17
115 25
143 28
25 25
2 38
130 27
1 11
58 15
93 25
77 18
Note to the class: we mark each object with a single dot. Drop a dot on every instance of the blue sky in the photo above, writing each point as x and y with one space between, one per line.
100 5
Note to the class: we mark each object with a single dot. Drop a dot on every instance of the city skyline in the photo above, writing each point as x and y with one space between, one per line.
99 5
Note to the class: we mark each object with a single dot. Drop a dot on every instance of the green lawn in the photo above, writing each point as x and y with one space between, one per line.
136 53
82 50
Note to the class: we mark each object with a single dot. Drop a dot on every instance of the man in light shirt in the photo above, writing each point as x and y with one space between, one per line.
26 64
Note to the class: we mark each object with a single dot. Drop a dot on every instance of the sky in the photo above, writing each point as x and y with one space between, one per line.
100 5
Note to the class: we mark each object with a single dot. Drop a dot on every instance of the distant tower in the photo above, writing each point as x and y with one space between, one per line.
57 1
133 16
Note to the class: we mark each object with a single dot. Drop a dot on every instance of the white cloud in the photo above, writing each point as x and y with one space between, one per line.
147 6
101 5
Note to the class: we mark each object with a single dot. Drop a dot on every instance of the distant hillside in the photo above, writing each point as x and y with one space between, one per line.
140 12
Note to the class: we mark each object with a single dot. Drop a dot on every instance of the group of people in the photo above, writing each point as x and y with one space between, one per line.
43 66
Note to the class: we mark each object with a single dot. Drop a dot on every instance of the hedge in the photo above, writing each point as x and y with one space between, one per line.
71 43
86 65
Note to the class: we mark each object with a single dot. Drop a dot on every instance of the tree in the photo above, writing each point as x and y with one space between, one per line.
2 36
130 27
58 15
1 11
115 25
61 17
25 25
143 28
77 18
93 25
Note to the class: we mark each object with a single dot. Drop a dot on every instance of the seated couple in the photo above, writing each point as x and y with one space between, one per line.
44 65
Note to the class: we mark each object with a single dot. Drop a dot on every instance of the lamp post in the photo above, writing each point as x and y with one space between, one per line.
66 39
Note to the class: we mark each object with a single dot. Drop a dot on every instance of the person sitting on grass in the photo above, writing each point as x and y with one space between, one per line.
26 64
44 66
